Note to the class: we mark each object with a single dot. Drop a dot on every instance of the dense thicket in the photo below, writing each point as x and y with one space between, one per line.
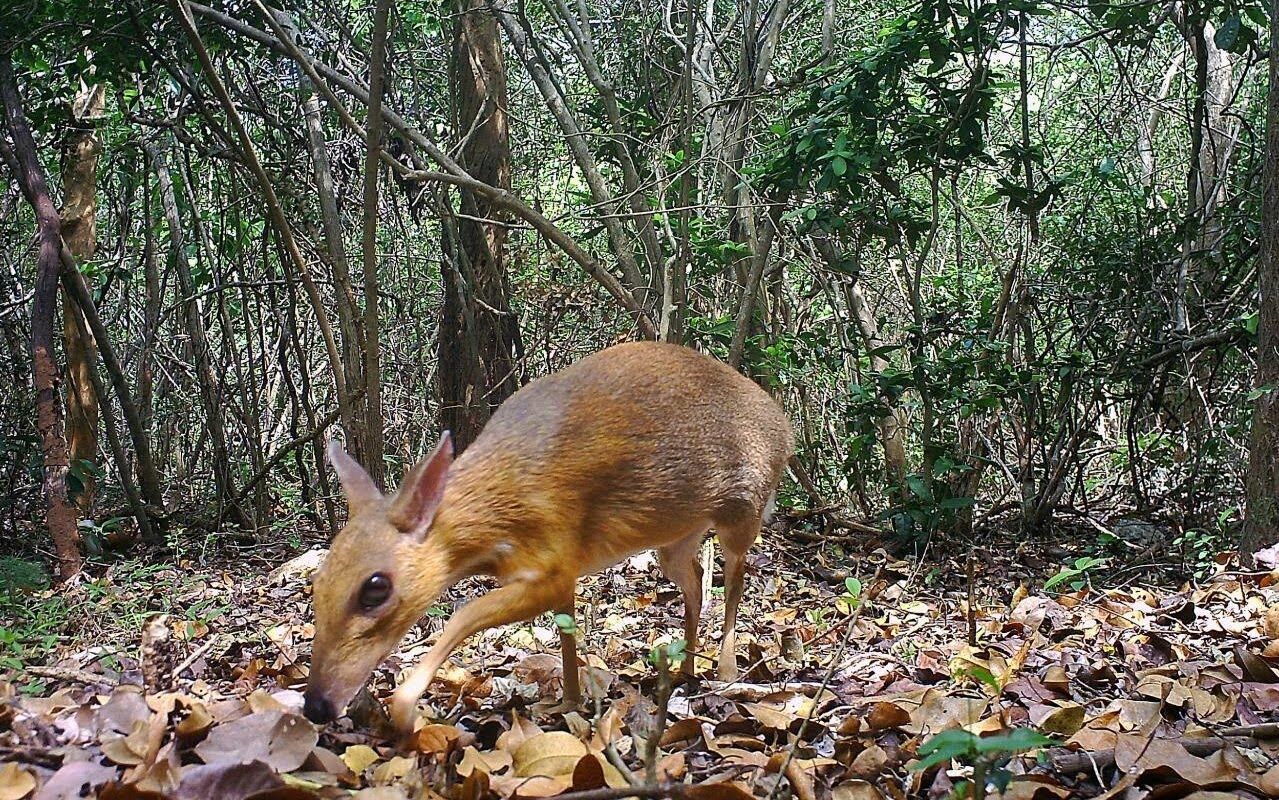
999 258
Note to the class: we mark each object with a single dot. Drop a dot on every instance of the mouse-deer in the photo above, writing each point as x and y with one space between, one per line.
639 446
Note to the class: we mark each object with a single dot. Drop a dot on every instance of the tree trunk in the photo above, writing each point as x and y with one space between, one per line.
60 514
480 347
1261 525
373 444
79 231
209 384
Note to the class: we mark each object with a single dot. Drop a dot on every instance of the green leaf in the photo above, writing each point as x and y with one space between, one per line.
918 487
838 166
1017 740
566 623
1228 34
943 747
854 587
1061 577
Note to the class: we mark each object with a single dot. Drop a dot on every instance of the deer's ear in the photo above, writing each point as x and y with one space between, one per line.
356 483
418 498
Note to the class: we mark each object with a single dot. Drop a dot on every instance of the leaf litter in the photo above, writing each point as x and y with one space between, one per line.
1130 690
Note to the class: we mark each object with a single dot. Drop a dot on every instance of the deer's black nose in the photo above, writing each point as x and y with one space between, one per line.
318 708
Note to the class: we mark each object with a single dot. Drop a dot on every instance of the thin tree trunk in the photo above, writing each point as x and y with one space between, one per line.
479 343
60 514
348 311
373 445
209 387
1261 525
79 231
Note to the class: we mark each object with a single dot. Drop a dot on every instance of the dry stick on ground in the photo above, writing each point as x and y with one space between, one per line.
830 674
1070 761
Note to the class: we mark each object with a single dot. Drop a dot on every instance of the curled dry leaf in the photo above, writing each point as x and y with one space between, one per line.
856 790
393 770
490 763
883 716
718 791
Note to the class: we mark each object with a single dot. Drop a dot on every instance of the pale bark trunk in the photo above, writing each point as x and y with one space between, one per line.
79 231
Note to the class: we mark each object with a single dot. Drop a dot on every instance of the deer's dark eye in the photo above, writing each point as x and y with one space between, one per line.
375 591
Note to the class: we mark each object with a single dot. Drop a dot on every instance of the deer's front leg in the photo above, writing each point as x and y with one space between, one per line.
511 603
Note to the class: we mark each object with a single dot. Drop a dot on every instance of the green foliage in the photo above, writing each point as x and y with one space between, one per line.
20 575
986 754
1076 574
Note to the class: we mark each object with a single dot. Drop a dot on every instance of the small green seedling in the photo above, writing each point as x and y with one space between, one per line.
673 653
1077 575
852 597
987 755
566 624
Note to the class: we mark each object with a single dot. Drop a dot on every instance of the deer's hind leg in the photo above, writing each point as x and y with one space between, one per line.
679 563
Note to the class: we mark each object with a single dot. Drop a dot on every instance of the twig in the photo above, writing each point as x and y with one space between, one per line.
664 687
1071 761
830 674
67 674
195 655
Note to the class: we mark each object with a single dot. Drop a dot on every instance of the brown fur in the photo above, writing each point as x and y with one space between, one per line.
636 447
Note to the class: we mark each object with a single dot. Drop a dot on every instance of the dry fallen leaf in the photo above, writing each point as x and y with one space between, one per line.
549 754
359 757
15 782
281 740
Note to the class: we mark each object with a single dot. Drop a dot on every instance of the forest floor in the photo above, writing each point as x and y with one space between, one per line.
184 681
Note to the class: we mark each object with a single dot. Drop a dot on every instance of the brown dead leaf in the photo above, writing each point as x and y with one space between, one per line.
1140 754
1270 625
718 791
393 770
15 782
1063 720
869 763
489 762
682 730
856 790
883 716
434 738
1269 783
281 740
769 717
227 781
75 780
195 724
359 757
1035 787
588 774
380 793
551 754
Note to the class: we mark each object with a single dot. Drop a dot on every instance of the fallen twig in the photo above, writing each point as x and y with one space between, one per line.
1071 761
195 655
68 674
